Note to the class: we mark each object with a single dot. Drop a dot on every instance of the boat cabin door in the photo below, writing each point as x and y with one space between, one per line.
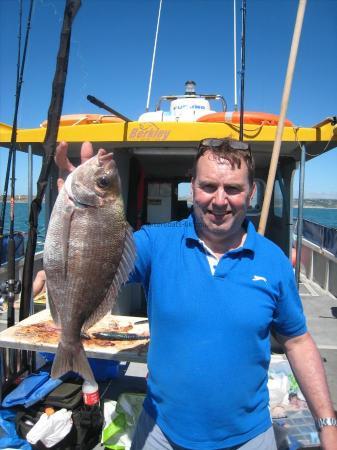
166 200
158 202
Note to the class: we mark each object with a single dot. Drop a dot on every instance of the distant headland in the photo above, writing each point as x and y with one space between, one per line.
308 202
19 198
317 203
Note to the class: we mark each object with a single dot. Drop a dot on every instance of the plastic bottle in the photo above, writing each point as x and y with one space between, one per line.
90 393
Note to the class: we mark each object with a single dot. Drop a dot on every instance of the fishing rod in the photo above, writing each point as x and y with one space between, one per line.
243 65
49 148
19 45
12 285
19 79
9 161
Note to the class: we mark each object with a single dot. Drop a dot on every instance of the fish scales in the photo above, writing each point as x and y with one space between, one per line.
89 253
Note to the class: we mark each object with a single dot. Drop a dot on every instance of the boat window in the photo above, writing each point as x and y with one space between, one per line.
257 200
159 202
185 193
278 200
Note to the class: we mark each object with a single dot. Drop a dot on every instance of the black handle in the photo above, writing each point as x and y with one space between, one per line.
102 105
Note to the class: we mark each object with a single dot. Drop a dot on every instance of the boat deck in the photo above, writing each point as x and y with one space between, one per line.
321 312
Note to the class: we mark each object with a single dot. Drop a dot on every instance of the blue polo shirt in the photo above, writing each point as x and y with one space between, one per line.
210 350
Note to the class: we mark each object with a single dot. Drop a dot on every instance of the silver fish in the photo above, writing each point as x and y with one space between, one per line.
89 253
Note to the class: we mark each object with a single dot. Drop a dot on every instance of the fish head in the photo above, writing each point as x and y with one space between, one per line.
96 181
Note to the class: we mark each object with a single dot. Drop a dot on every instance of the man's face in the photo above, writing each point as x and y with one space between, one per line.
221 196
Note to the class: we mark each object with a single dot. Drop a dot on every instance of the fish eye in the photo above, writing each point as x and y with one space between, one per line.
103 181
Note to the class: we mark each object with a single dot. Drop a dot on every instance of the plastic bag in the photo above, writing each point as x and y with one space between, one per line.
51 429
278 386
284 392
85 433
120 420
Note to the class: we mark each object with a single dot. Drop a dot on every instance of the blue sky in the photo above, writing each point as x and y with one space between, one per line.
111 55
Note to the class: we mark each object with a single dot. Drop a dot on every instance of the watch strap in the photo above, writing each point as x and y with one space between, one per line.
322 422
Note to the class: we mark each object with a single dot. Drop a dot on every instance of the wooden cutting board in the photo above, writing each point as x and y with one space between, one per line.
39 333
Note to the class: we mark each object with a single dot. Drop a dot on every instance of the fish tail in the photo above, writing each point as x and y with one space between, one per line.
71 358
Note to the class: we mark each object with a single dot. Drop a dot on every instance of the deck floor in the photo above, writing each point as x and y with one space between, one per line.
321 312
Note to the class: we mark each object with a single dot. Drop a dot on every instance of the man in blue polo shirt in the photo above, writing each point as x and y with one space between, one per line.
215 288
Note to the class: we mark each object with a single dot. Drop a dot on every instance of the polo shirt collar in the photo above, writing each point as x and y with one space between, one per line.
250 241
190 232
249 244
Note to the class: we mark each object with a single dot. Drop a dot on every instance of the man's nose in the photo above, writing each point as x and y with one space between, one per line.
220 198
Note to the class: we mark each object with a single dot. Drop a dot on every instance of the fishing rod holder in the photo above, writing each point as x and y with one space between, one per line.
9 288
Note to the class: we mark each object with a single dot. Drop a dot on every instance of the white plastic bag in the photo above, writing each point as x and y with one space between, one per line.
51 429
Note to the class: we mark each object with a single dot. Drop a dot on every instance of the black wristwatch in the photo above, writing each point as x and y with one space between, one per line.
322 422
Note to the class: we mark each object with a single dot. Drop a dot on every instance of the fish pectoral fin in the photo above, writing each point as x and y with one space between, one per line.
126 263
67 214
52 307
124 269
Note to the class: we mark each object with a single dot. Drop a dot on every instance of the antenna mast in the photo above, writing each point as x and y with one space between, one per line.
235 69
153 58
243 63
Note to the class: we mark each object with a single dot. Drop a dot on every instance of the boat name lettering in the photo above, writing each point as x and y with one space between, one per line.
154 134
189 107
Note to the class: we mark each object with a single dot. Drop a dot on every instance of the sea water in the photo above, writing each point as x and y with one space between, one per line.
21 222
322 216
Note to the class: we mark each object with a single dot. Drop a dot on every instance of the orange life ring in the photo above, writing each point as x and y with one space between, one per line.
84 119
249 117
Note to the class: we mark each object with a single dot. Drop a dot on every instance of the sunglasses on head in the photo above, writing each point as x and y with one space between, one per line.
216 143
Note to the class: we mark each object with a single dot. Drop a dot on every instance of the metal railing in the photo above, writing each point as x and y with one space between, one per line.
319 255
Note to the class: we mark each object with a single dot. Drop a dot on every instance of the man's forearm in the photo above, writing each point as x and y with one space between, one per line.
308 369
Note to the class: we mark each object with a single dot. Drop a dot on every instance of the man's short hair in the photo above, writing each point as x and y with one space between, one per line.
233 151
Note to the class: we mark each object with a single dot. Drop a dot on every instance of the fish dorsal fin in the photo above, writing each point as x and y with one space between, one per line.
124 269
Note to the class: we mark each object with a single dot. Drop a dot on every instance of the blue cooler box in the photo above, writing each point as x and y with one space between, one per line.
103 369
